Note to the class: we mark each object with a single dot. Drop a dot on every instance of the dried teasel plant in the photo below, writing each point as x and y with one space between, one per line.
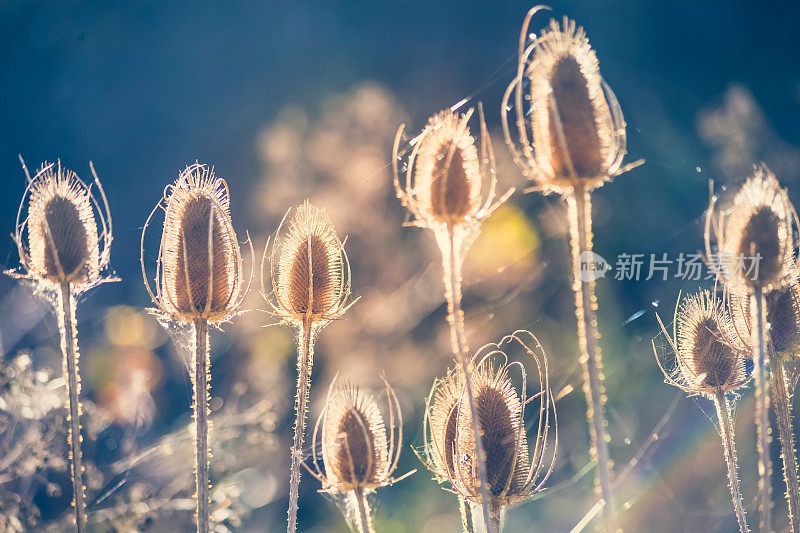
570 140
515 472
755 245
357 456
450 188
199 281
783 319
709 361
310 286
66 254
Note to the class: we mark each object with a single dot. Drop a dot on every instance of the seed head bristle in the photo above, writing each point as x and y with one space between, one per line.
354 445
200 256
63 236
574 134
444 415
783 316
310 274
711 356
756 245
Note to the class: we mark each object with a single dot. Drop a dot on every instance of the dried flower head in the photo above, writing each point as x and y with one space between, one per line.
573 133
514 472
709 354
199 269
64 244
755 241
447 183
783 315
309 269
356 452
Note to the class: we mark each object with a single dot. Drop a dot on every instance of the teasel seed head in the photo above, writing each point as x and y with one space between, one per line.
755 239
64 243
514 472
449 181
199 270
357 453
573 133
309 269
709 353
783 316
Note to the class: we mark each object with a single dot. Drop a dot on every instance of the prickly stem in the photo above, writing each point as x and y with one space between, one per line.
201 386
69 348
305 353
782 408
762 408
729 448
580 221
364 520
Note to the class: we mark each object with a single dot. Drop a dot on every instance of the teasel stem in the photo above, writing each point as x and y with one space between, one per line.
304 360
580 222
496 520
759 344
69 349
729 447
201 385
363 520
465 510
780 397
455 316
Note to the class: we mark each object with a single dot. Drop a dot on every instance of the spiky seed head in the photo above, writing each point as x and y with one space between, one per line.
448 176
310 282
444 416
576 138
63 237
354 445
200 255
783 316
499 412
756 247
711 356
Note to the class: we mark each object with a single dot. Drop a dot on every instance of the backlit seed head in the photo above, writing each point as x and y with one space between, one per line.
199 271
571 131
513 474
755 240
783 317
357 453
309 269
447 182
710 354
64 244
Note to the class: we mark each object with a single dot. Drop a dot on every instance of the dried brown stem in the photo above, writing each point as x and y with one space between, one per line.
305 358
759 344
580 221
780 396
363 520
729 448
201 385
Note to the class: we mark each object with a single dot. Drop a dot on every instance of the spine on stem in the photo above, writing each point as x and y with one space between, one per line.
762 409
69 349
580 222
782 407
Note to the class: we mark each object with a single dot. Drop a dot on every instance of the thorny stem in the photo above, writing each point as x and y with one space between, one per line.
729 447
305 353
762 408
363 523
465 510
455 316
201 385
69 349
496 520
580 222
782 407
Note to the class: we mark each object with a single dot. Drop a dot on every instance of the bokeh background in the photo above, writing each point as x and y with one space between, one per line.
301 100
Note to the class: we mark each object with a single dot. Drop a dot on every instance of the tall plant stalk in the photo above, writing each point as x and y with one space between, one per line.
759 344
451 262
201 385
305 358
69 348
780 396
729 448
363 520
580 222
